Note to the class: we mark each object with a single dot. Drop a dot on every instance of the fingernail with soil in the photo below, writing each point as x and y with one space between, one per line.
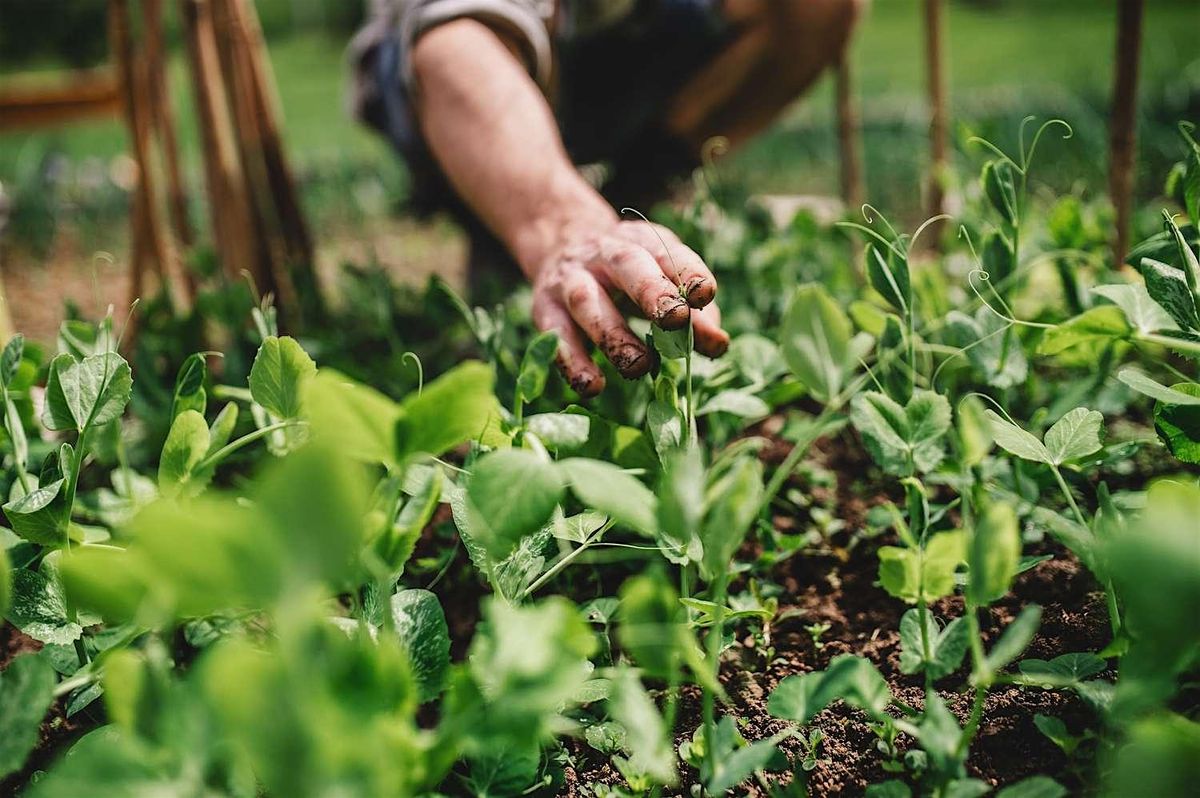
587 385
630 360
673 312
699 292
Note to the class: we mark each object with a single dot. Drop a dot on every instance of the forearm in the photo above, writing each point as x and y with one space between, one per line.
495 138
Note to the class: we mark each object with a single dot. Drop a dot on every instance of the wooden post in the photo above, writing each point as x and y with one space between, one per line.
1123 129
149 241
849 143
936 75
228 204
164 122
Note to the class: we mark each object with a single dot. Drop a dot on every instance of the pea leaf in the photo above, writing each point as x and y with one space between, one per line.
535 366
1015 440
1098 325
355 418
947 646
849 678
561 431
606 488
916 575
1077 434
737 403
189 386
421 626
1015 638
646 735
454 408
902 440
26 693
681 505
993 553
40 516
186 445
91 391
277 378
733 505
1065 670
1034 787
1000 187
10 359
514 492
816 341
1168 287
5 583
39 609
1178 424
992 346
887 270
1141 311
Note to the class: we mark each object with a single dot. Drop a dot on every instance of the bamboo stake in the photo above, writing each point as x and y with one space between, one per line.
849 141
266 104
164 123
152 245
936 74
1123 128
228 205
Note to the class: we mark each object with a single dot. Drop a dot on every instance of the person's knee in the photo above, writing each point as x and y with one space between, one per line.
815 25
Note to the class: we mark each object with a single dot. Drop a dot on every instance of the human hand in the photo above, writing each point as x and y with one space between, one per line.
573 285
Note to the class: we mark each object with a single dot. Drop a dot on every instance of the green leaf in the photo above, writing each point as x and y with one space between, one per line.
740 765
10 359
940 734
39 609
1095 326
902 440
816 341
40 516
1077 434
734 502
535 366
1056 731
1000 187
578 528
1179 424
993 553
1065 670
681 505
26 693
849 678
998 258
514 492
1034 787
1143 313
892 788
947 646
560 431
606 488
421 627
670 344
353 417
974 431
992 346
92 391
646 735
739 403
1015 638
1168 287
1155 390
916 575
887 271
277 378
1017 441
189 386
454 408
186 445
6 585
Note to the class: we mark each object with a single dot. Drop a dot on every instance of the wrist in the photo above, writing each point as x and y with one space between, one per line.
572 209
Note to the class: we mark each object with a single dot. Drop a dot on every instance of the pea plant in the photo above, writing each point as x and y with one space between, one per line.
907 519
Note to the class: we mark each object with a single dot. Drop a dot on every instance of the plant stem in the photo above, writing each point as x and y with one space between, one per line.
248 438
715 637
1114 615
73 481
983 678
565 560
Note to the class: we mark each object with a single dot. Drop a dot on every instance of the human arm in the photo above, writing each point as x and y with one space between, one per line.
494 135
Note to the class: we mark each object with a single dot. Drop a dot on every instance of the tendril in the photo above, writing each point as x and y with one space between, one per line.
420 368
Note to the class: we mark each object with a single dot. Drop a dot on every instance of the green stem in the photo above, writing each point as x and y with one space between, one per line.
983 678
715 635
926 652
565 560
248 438
687 365
1114 615
73 482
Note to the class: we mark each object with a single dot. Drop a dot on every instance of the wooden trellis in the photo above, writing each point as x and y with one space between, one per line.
257 225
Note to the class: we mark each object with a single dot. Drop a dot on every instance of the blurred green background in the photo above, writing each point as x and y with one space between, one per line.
1007 59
